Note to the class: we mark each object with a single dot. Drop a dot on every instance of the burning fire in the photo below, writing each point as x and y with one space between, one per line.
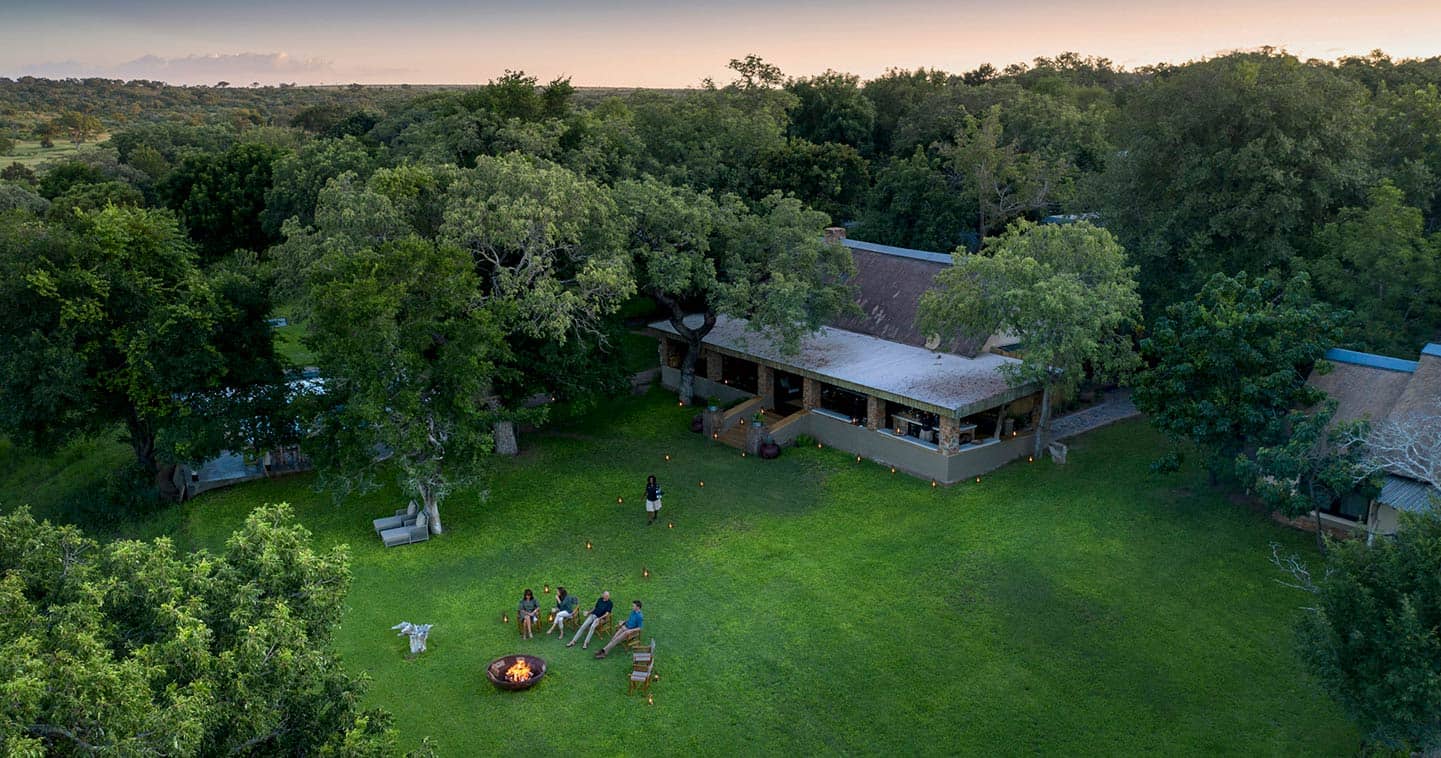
519 672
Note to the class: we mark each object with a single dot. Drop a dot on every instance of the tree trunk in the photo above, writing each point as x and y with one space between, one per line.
1044 424
687 372
505 440
692 337
432 509
1320 536
142 441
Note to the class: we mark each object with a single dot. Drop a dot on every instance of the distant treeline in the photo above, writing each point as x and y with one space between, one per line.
1253 161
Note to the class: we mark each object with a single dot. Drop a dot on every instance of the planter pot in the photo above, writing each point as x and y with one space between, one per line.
770 450
697 423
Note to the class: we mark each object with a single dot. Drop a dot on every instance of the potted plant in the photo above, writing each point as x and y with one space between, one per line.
712 403
769 449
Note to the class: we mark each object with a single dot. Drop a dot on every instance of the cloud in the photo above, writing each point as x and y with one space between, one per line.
239 68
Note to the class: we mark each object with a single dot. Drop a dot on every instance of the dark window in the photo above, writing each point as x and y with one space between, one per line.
849 404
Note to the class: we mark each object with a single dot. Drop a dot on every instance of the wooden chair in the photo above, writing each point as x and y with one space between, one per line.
642 667
520 624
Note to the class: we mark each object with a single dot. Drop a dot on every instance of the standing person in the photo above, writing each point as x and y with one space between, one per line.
527 613
564 608
600 611
652 499
266 461
629 629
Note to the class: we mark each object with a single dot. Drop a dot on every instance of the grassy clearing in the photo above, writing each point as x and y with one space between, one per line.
813 604
29 153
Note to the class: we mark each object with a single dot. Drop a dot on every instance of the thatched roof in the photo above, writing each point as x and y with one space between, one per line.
889 282
1361 391
1423 392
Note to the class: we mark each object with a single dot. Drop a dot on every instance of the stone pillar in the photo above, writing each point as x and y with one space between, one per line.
875 412
950 435
810 393
663 352
766 386
713 366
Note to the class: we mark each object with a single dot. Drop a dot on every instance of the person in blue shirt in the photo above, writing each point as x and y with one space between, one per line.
587 627
629 629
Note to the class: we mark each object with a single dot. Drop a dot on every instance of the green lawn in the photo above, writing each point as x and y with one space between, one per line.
813 604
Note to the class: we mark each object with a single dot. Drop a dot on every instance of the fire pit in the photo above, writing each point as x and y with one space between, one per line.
515 672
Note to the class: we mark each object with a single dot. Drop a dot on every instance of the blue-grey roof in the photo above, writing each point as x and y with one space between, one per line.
904 252
1408 495
1432 349
1370 360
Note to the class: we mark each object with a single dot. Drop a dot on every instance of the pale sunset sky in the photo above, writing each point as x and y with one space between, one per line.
651 43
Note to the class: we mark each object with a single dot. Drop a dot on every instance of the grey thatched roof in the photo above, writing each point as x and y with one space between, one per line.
889 282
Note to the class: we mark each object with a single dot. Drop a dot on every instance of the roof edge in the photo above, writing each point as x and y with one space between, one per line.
1371 360
899 252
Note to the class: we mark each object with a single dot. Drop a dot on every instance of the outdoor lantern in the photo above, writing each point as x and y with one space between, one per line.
893 469
714 436
619 500
667 456
1030 459
743 453
978 480
649 699
545 590
680 403
933 483
645 572
550 617
587 544
670 525
858 459
505 618
818 446
702 483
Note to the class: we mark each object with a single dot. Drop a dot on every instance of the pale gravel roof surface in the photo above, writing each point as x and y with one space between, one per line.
860 361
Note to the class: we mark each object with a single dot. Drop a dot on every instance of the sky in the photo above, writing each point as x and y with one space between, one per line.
652 43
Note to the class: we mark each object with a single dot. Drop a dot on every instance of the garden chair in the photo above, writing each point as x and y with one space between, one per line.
404 535
642 668
402 517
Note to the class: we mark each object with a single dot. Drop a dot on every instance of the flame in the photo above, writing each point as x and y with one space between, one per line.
520 671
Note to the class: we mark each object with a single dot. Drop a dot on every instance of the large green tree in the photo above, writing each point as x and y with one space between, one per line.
1226 367
220 198
830 107
107 320
1378 262
699 257
1373 634
1007 182
132 648
1065 291
1228 165
463 279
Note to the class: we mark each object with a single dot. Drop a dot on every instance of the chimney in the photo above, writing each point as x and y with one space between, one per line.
834 234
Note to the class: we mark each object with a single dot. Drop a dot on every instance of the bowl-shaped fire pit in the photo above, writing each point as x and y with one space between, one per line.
515 672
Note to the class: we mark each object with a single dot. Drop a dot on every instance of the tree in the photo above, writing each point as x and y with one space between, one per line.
18 172
408 352
130 648
830 178
107 320
698 255
1373 636
297 178
1305 466
1238 184
1065 291
1007 182
1377 262
220 198
1408 445
830 107
1226 367
7 145
79 127
519 255
755 73
913 205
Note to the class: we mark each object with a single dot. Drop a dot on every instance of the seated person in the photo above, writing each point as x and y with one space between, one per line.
527 613
565 604
600 611
629 629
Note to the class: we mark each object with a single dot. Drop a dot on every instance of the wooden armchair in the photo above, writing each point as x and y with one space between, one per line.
642 667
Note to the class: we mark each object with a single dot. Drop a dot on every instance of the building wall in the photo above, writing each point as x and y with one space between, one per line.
704 388
1386 520
886 449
